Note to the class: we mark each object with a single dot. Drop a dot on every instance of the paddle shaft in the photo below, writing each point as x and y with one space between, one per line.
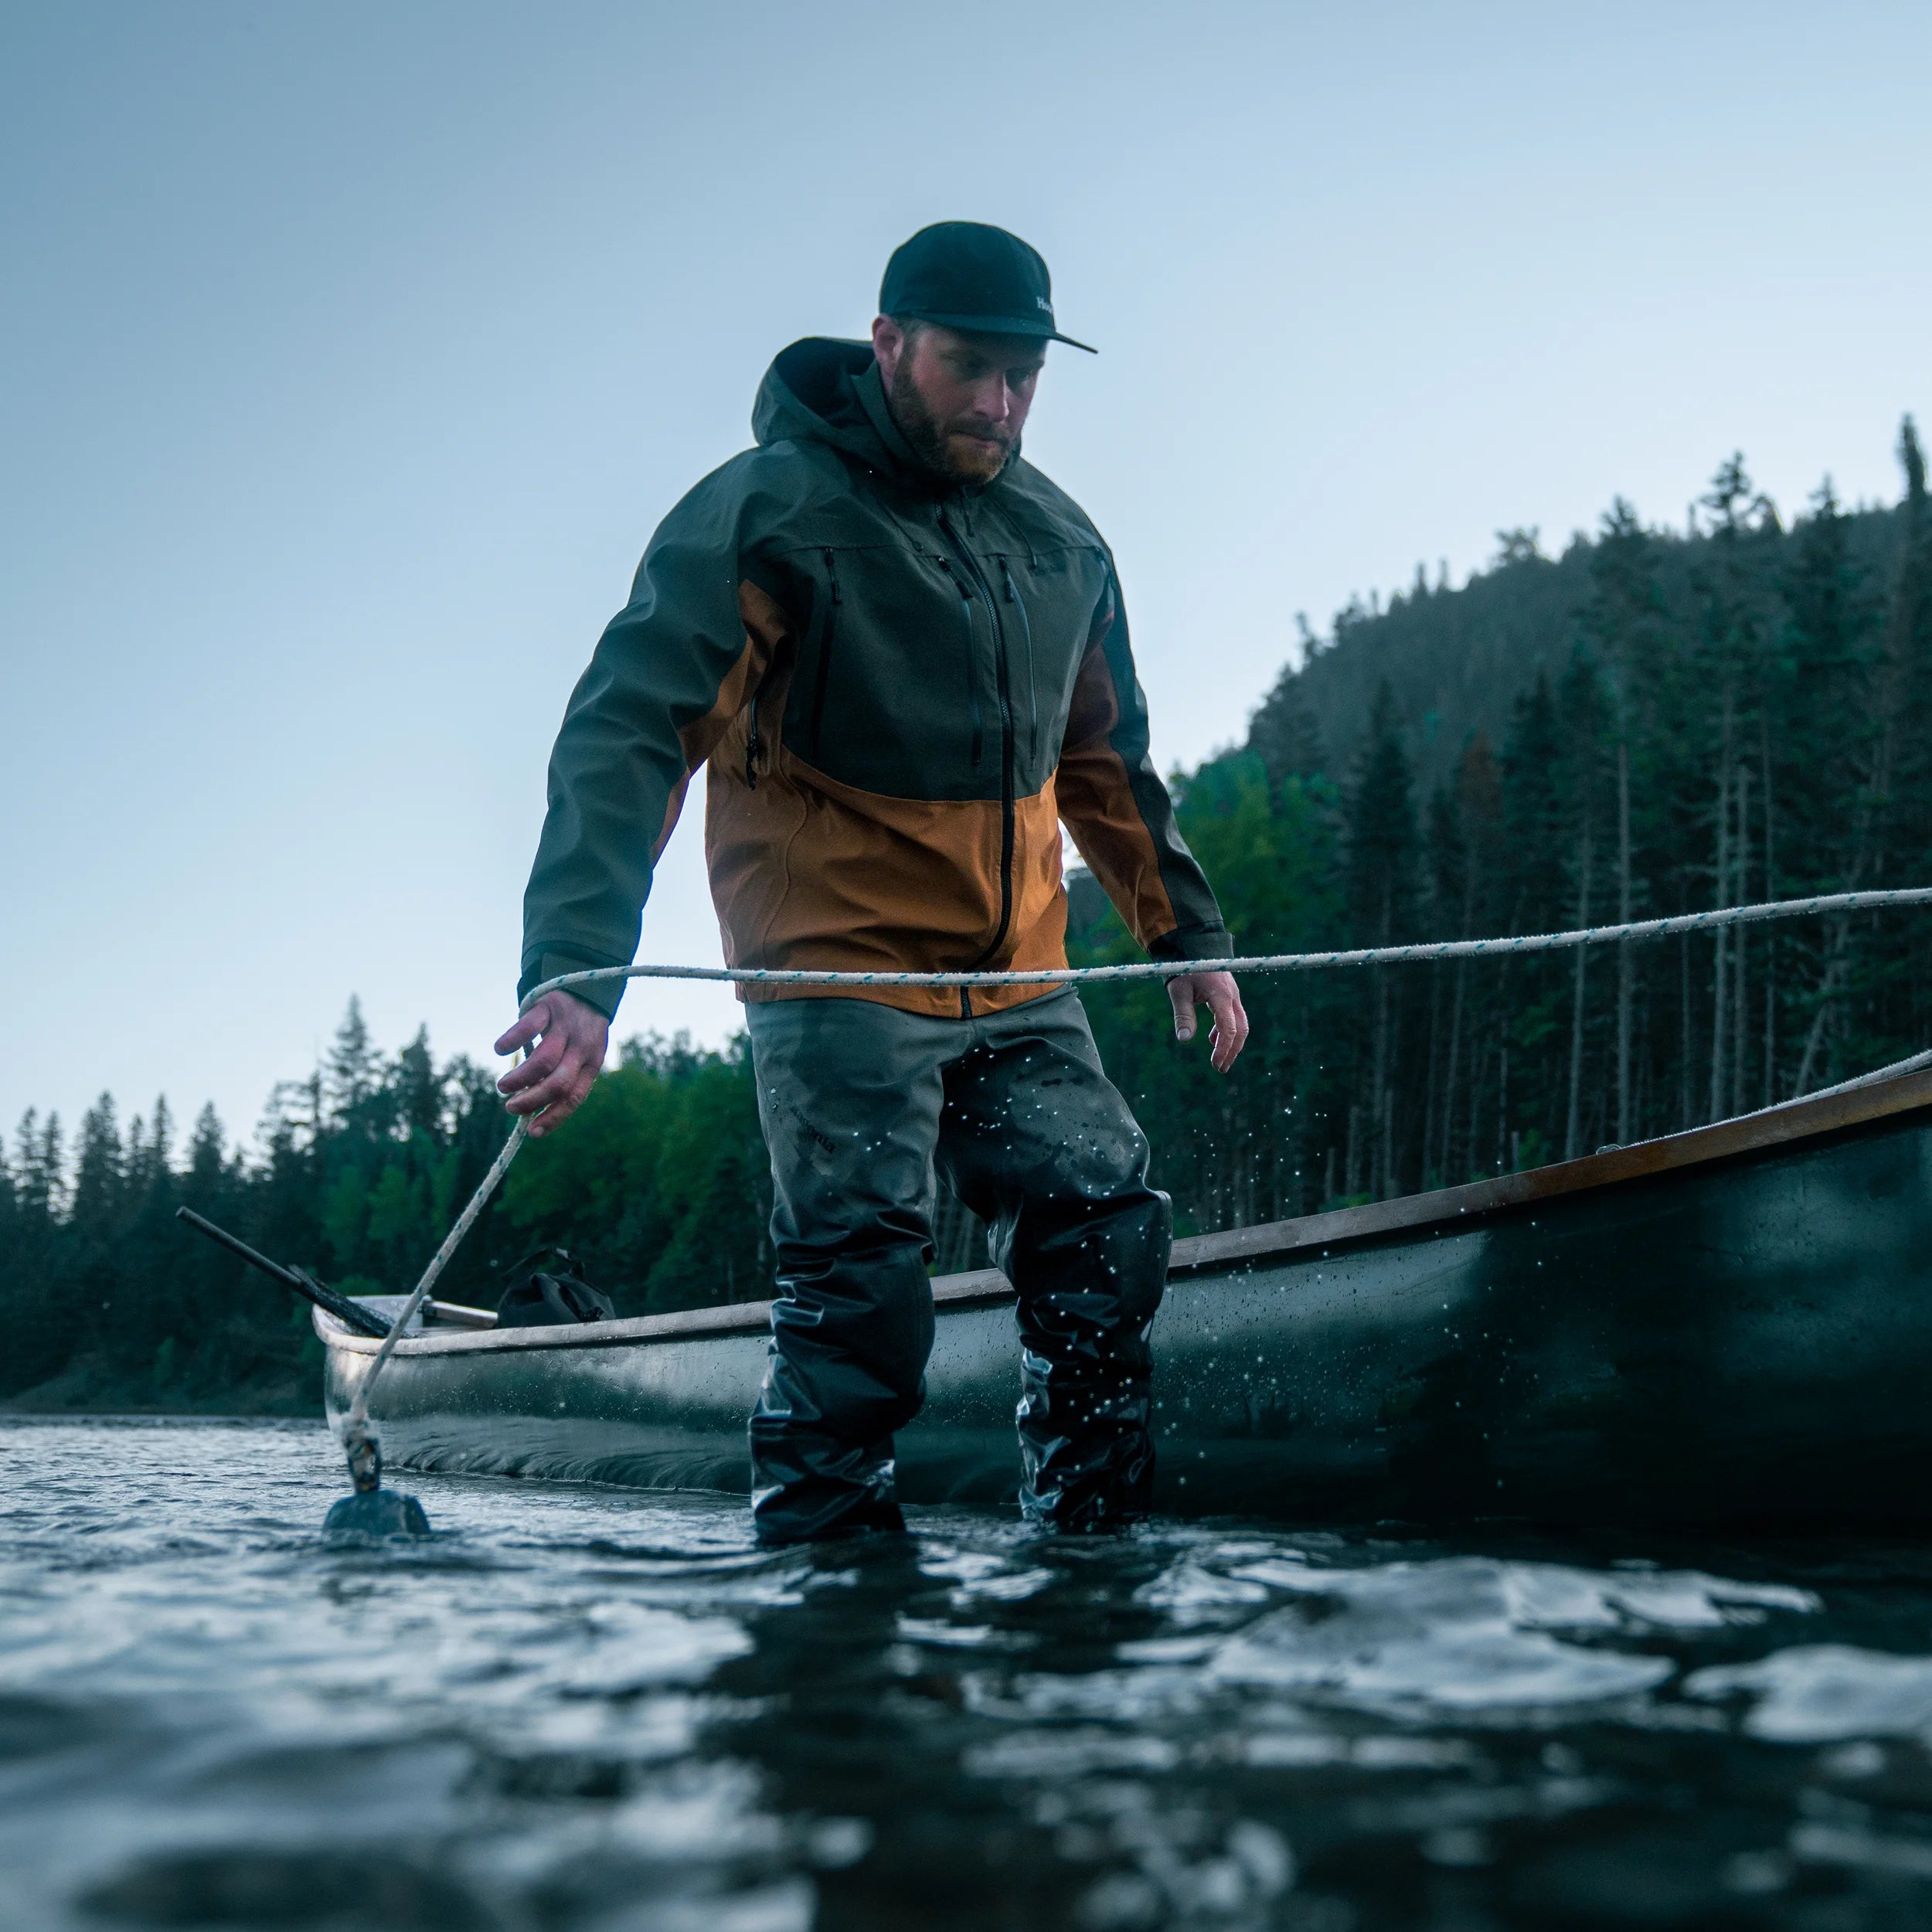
353 1316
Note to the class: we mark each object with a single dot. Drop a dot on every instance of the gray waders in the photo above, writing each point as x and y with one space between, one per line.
860 1103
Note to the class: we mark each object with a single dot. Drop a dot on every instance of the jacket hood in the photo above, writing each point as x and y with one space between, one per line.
811 393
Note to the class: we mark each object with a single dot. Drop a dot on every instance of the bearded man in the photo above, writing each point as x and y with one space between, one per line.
902 653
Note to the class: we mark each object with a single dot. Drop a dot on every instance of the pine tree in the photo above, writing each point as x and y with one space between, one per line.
1587 802
207 1160
353 1076
418 1090
150 1154
1283 733
1474 1002
28 1193
1820 756
1381 901
42 1166
1536 818
9 1218
1627 626
1731 585
99 1170
1534 813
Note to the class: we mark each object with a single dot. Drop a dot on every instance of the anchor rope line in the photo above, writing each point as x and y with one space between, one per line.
1636 930
357 1420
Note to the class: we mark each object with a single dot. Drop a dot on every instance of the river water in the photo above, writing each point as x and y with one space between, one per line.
590 1708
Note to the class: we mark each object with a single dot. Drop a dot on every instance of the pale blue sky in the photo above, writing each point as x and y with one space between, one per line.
352 351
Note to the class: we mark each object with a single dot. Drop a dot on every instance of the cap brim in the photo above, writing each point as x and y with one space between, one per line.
1000 325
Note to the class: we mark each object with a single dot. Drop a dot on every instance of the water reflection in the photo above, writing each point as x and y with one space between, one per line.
586 1708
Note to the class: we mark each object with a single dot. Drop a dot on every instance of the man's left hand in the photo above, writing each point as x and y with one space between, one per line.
1223 998
554 1082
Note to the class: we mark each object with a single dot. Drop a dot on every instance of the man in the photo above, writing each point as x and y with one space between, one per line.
902 654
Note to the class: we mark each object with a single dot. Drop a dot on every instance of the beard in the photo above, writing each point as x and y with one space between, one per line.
972 467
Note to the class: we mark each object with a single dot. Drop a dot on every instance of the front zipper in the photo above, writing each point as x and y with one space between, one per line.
824 672
1006 813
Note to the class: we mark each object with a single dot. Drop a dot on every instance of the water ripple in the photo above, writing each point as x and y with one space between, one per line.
588 1709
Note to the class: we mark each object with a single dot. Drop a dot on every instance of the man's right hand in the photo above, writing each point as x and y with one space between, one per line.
552 1083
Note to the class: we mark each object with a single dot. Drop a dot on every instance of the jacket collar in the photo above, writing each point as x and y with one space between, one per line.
828 391
869 388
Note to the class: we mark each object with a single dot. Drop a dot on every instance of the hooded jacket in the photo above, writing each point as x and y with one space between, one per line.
902 692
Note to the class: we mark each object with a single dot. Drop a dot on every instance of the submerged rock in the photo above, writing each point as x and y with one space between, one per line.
377 1512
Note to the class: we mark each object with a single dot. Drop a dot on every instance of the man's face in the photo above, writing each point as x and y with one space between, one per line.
960 399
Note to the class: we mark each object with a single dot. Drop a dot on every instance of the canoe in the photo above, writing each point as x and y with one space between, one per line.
1729 1326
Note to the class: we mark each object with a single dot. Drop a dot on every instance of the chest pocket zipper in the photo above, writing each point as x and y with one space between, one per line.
822 672
1032 693
957 580
754 737
753 744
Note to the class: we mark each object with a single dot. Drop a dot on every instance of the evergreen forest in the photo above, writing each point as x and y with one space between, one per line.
1653 721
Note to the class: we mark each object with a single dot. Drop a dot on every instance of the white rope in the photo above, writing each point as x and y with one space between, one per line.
1641 929
356 1423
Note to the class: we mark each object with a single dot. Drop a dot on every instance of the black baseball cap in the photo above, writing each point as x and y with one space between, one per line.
965 275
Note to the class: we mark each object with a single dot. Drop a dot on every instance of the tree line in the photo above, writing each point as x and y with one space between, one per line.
1655 721
659 1186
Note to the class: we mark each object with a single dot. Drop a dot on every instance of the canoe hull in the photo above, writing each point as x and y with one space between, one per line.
1745 1340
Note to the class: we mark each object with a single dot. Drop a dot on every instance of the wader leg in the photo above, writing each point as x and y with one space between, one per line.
1038 1141
849 1095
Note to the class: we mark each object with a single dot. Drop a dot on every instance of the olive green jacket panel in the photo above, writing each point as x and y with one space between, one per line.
900 691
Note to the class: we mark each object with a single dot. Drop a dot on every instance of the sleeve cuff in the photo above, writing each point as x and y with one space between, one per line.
1193 942
606 995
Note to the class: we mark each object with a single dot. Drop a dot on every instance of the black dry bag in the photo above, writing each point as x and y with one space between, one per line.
542 1300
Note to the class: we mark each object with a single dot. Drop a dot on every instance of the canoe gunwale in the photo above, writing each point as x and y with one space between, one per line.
1238 1250
984 1288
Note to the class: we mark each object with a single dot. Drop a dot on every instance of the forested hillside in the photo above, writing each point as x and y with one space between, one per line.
1654 722
1456 661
